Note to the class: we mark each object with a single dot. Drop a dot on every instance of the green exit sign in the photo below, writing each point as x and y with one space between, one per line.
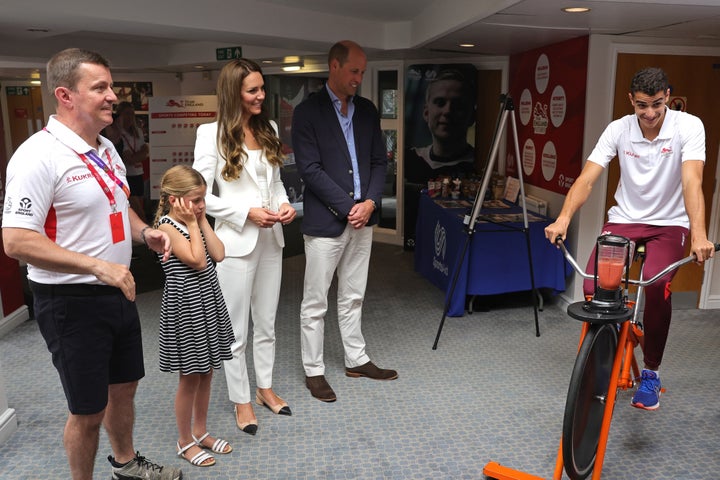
21 91
228 53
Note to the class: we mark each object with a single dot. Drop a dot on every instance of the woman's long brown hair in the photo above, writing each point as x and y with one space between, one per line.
230 136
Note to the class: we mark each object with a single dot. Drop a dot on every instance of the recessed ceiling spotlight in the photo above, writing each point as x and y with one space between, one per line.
575 9
267 61
199 67
466 45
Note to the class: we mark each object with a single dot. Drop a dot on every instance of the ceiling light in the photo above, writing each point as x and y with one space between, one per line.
466 45
35 82
293 66
267 61
575 9
199 67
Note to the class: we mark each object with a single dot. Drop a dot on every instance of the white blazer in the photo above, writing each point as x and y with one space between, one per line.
235 198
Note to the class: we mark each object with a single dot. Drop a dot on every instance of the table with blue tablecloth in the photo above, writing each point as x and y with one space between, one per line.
496 260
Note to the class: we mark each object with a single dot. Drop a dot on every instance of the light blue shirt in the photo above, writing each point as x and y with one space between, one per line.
346 125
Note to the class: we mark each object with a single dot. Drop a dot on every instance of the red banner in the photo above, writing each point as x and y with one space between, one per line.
548 87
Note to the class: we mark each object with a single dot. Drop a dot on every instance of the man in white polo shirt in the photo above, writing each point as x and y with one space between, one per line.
66 215
659 202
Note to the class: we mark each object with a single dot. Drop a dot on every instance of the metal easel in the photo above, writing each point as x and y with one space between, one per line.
507 110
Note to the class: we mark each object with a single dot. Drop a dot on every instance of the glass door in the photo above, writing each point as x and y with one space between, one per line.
386 93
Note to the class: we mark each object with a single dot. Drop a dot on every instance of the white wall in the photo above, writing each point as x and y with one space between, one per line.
710 296
199 83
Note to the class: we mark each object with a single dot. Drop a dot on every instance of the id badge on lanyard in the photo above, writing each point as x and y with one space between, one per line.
117 227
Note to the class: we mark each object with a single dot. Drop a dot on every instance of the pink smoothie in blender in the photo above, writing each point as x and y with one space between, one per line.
611 264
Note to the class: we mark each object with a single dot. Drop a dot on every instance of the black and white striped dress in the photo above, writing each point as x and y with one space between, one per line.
195 330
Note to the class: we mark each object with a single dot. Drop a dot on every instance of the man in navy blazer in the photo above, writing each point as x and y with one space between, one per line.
340 154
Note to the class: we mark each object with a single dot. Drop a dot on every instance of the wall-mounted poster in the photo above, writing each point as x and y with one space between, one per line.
439 130
137 93
548 88
173 126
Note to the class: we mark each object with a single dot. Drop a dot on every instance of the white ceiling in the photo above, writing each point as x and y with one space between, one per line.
176 35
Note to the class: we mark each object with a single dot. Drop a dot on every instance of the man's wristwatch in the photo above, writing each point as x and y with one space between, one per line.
373 203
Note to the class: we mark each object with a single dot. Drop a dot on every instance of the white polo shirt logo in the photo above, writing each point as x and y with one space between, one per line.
24 207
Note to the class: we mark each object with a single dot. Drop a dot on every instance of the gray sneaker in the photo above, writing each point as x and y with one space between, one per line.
140 468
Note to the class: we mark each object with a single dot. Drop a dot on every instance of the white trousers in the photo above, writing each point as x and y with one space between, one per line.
251 284
349 254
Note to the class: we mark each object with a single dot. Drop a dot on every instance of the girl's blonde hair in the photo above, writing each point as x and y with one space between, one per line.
178 181
230 136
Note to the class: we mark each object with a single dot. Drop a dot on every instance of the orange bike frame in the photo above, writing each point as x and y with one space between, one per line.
623 362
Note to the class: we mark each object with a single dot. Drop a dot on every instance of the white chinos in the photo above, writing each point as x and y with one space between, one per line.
350 255
252 284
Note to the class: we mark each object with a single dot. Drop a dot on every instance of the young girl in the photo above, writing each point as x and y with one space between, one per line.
195 329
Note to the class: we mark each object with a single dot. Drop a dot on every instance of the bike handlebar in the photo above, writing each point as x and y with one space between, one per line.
643 283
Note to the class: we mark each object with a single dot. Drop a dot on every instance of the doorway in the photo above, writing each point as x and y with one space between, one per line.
25 113
694 79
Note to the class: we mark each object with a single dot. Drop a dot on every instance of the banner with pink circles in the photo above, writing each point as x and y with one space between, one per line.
548 87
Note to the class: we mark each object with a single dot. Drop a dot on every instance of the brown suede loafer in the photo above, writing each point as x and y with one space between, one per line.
371 371
320 388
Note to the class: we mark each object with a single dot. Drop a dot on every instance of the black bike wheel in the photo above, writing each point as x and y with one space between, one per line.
586 400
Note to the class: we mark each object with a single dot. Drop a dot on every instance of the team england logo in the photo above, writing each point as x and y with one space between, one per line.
440 241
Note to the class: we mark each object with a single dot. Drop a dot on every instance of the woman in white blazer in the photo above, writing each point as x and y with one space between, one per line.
240 155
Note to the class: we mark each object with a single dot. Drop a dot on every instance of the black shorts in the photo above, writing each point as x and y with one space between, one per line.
136 185
93 333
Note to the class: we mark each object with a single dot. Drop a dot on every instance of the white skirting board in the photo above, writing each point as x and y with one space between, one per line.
8 420
8 424
712 301
13 320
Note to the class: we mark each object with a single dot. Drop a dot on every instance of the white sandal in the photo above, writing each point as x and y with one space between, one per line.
217 447
198 459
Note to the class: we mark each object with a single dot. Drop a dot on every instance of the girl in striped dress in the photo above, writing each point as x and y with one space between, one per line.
195 330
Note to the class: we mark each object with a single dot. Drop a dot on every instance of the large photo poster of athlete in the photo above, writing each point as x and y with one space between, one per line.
439 117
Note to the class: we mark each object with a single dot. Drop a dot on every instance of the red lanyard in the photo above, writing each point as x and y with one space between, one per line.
108 171
108 193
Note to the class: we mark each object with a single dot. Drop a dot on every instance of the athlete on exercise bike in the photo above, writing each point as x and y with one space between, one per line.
659 200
